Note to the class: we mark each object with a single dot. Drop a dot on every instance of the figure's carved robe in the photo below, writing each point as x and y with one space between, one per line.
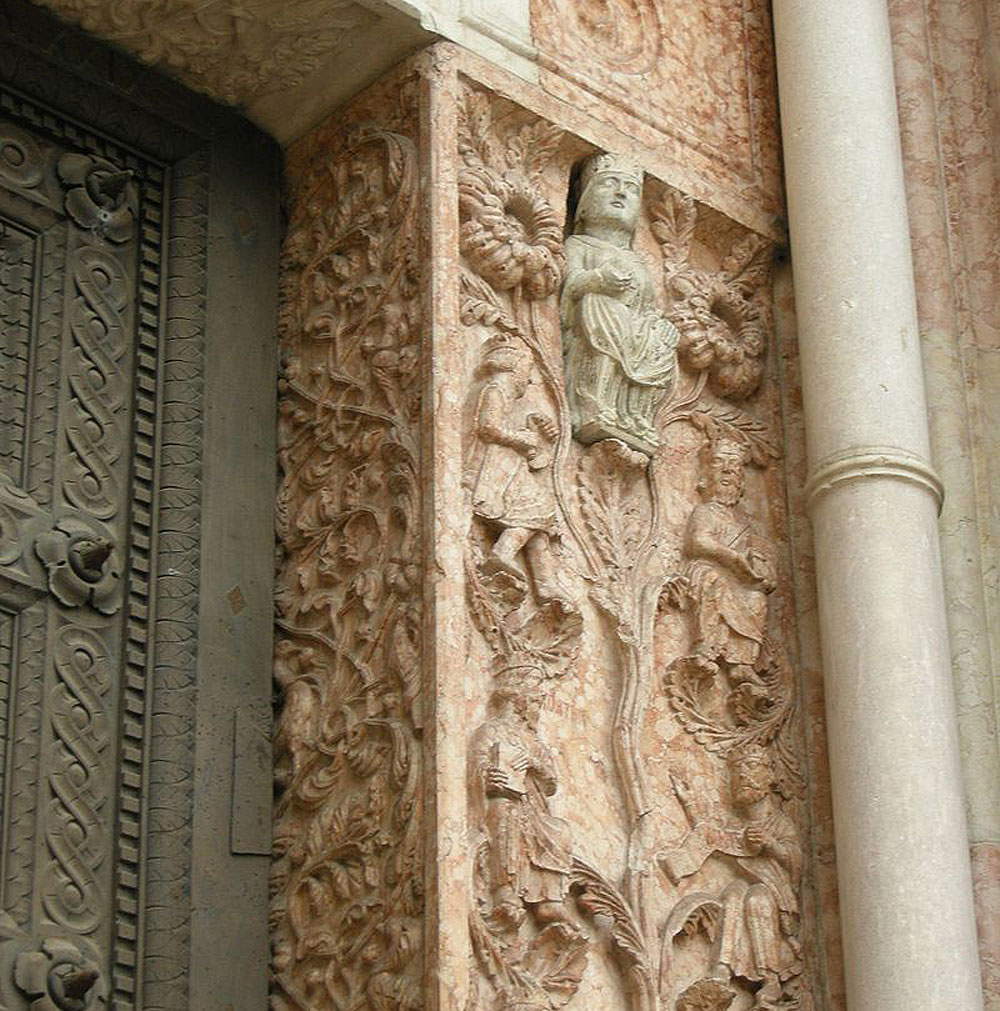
508 490
530 849
750 939
626 327
730 613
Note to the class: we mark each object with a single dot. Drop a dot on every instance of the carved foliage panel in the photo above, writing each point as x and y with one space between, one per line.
235 52
636 835
348 874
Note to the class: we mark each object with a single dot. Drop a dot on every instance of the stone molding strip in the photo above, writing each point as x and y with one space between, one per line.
859 462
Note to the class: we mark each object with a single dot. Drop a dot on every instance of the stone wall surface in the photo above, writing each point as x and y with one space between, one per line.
546 736
950 127
693 82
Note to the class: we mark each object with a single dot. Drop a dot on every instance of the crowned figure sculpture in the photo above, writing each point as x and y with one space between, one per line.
619 347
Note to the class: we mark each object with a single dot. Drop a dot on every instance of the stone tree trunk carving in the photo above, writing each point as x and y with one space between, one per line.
639 359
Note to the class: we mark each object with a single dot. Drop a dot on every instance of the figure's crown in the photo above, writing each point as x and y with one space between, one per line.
727 445
621 164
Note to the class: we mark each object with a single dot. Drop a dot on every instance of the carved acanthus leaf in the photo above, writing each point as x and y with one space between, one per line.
673 217
601 899
610 510
715 420
348 836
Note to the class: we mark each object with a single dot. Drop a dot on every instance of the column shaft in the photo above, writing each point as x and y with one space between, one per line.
900 830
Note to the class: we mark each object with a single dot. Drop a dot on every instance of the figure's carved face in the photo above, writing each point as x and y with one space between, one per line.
612 198
749 781
727 479
529 708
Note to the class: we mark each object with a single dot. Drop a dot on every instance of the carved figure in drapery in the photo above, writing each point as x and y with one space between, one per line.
513 490
525 863
753 922
736 686
620 349
730 572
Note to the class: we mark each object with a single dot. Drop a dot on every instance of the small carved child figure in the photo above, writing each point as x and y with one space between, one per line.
513 489
530 856
757 932
730 572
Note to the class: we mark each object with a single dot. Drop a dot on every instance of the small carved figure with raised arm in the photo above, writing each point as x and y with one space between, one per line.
730 573
513 493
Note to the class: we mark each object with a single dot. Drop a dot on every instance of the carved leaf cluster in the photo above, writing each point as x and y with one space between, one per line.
722 315
510 233
611 489
600 898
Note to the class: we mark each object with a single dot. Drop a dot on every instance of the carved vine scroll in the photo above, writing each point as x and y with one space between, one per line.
347 880
634 837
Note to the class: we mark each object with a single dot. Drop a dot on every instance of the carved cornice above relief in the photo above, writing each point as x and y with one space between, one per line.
288 63
233 50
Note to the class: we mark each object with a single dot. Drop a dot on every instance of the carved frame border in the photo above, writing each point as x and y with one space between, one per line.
162 614
151 957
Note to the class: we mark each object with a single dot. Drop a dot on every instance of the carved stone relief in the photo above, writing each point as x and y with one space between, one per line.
616 572
619 348
633 755
347 881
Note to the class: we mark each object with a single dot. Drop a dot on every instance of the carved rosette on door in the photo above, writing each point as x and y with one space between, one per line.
79 234
636 774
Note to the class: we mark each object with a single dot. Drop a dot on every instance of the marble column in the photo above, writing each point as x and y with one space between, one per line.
901 837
